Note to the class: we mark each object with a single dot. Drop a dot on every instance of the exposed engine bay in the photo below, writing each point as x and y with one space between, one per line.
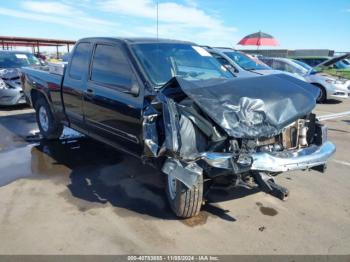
235 129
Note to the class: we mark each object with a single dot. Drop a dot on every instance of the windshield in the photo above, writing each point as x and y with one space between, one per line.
295 68
306 66
17 60
245 62
163 61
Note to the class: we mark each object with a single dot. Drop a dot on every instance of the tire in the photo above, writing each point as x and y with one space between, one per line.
49 127
186 202
323 95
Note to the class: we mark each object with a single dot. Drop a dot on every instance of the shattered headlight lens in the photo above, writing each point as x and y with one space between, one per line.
3 85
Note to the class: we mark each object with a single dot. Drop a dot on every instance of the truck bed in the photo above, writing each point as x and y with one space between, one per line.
42 80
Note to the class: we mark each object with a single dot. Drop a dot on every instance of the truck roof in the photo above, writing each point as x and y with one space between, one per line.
137 40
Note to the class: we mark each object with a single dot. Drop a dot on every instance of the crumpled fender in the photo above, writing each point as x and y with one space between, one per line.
243 108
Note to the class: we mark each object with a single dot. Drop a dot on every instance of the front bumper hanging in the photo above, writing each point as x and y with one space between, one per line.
304 158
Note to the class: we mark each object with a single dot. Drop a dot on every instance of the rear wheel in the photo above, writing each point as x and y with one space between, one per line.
49 127
185 202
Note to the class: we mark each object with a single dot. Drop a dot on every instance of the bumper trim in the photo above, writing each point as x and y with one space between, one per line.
293 160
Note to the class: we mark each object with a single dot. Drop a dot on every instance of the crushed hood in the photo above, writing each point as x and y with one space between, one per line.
11 77
9 74
252 107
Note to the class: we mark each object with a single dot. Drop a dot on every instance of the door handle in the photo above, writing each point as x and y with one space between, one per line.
89 91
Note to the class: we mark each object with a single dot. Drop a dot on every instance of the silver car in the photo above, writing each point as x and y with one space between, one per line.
11 92
242 65
329 86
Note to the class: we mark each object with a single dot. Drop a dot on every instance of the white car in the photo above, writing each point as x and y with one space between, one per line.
329 85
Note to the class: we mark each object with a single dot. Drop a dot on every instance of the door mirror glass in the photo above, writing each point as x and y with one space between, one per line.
134 89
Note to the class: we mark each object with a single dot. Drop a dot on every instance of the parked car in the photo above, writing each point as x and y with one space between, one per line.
335 66
329 86
242 65
340 78
11 92
338 62
311 60
346 62
171 104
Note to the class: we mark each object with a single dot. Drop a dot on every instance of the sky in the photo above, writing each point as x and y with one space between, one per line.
296 24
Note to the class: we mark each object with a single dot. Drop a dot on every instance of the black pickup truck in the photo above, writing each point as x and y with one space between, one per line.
174 106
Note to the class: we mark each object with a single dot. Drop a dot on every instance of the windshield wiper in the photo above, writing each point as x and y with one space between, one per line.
253 70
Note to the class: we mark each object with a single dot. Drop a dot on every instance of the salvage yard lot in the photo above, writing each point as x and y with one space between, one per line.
77 196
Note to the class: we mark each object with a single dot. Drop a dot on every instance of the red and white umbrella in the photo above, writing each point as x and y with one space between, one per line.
259 39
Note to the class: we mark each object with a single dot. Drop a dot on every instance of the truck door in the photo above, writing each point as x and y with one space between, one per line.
74 83
112 108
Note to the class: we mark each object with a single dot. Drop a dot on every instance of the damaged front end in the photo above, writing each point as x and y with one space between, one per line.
241 128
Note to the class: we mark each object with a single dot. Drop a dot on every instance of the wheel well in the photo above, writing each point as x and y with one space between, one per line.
35 95
318 85
324 91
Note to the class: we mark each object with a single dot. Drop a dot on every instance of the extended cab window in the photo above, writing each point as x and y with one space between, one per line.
111 67
80 61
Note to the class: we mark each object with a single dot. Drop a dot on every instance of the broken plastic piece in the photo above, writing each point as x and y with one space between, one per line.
187 174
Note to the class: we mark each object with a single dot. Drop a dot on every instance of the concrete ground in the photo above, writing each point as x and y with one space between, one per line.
77 196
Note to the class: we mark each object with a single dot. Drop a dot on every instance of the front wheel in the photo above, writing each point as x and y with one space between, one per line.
49 127
185 202
323 94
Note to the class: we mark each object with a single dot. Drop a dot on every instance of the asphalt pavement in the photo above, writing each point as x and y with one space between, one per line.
78 196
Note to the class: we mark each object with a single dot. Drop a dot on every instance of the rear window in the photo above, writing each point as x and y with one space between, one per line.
80 61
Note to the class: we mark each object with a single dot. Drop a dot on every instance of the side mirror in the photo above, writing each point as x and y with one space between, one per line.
134 90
